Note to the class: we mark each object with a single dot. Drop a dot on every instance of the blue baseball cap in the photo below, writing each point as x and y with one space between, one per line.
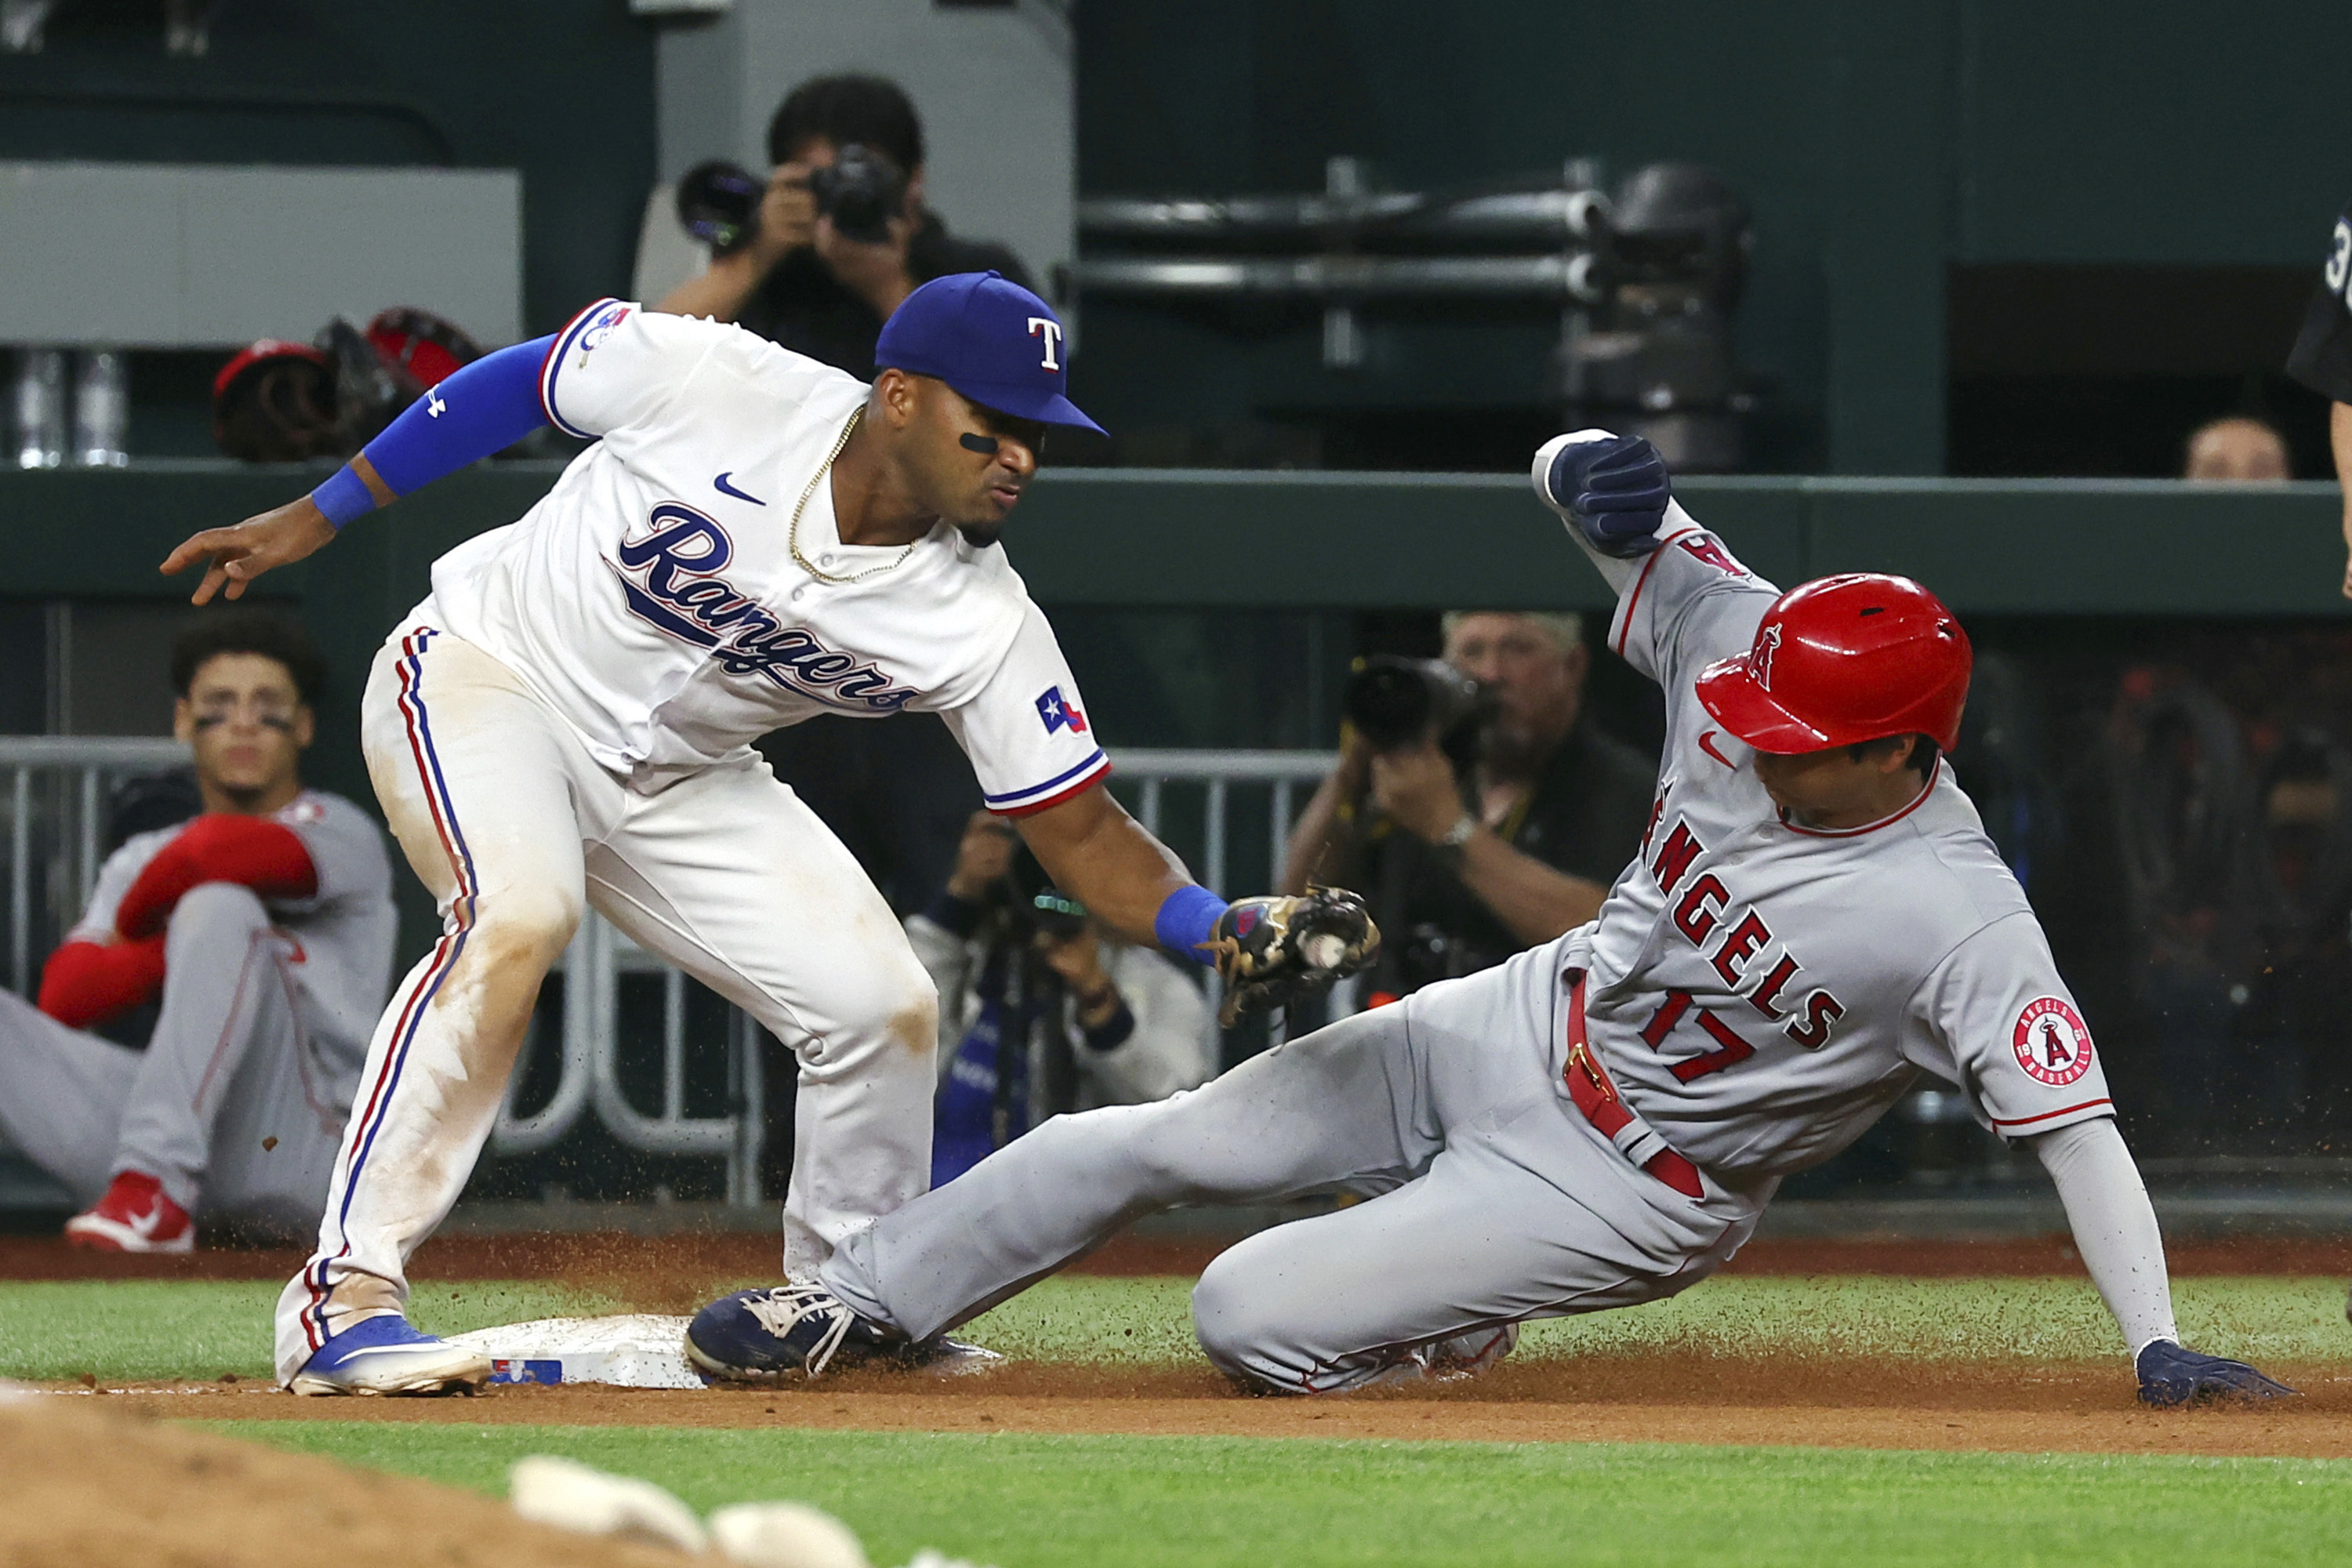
990 338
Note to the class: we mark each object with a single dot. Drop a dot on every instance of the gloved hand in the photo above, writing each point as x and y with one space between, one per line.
1612 489
1270 949
2171 1375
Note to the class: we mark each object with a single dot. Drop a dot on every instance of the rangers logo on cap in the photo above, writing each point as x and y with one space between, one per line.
2054 1044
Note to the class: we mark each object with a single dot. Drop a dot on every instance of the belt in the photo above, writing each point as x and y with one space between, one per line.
1593 1095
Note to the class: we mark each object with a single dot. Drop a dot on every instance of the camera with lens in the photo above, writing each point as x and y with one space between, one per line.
861 191
1396 702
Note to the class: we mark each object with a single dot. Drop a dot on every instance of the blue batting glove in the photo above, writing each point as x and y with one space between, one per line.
1614 489
2171 1375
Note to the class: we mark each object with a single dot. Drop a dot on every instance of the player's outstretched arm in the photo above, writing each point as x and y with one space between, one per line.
2115 1230
486 407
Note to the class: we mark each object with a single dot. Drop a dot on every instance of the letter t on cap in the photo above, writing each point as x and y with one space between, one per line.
1052 331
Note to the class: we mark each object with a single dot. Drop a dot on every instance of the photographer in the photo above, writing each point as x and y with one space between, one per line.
842 145
1100 1021
1491 830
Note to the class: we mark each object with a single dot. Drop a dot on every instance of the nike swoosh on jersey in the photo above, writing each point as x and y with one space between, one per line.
1706 736
723 487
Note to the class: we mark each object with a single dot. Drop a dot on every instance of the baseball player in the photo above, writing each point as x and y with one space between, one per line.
265 928
1815 917
754 538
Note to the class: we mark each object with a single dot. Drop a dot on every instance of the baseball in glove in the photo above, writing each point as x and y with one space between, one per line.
1270 949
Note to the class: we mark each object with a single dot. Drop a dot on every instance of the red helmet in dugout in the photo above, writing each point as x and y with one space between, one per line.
1842 660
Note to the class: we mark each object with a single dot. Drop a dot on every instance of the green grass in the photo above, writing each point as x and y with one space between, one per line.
1034 1501
155 1330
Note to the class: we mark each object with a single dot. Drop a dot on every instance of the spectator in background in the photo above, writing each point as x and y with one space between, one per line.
2322 359
896 791
1467 863
1096 1021
800 281
264 925
2238 448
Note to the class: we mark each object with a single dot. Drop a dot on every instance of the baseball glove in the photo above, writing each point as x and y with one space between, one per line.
1270 949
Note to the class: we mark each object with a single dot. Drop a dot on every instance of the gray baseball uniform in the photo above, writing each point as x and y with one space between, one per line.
239 1101
1758 992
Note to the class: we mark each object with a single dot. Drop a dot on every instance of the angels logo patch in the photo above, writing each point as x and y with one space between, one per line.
2054 1044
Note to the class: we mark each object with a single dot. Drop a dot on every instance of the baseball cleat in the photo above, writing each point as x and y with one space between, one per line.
383 1354
133 1216
804 1331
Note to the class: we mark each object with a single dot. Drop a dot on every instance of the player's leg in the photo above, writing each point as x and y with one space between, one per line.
729 876
61 1094
274 1143
224 987
1346 1106
1480 1242
489 795
1527 1212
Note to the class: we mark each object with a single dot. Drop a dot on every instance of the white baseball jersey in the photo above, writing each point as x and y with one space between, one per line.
343 933
653 600
1762 992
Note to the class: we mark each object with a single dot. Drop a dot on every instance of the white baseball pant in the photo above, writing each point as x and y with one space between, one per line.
510 823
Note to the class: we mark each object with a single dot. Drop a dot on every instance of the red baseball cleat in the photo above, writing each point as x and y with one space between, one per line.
133 1216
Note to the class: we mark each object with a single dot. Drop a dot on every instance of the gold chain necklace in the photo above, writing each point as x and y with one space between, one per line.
793 534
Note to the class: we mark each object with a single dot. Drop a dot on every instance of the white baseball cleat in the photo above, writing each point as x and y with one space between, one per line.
383 1354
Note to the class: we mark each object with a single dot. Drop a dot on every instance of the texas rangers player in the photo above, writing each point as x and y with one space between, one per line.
754 538
264 927
1816 916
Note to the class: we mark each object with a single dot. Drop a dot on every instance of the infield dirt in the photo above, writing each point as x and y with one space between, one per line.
1667 1396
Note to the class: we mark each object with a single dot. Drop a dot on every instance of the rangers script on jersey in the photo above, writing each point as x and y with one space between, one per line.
653 600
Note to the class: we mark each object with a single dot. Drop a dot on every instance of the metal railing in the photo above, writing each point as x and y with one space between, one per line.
55 798
1149 771
588 1075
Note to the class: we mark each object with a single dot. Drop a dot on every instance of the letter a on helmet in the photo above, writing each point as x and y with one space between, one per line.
1842 660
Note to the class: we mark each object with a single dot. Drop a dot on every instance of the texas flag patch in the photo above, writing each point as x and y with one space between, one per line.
1059 713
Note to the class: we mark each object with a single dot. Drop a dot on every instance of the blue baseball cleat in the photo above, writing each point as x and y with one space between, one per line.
801 1330
383 1354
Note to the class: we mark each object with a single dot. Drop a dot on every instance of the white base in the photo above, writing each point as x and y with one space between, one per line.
634 1350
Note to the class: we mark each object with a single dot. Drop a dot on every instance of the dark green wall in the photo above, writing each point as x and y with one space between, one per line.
1880 144
561 90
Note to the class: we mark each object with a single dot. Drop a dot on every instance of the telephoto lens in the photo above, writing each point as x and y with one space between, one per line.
861 192
719 202
1396 702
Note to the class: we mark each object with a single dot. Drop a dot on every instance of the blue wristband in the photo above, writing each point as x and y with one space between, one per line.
1186 920
343 497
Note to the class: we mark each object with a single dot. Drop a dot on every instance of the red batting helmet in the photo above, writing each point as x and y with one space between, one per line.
1844 659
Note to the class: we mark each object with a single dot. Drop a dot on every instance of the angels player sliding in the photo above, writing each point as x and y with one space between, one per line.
1816 916
753 538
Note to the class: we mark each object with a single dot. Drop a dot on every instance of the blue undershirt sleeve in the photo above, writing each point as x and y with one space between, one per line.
483 408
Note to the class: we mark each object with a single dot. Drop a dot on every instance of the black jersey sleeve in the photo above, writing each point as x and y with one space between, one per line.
2322 358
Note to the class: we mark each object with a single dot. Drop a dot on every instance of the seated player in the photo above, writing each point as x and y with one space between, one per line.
265 928
1815 918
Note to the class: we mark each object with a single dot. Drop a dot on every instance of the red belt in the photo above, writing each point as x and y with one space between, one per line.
1591 1092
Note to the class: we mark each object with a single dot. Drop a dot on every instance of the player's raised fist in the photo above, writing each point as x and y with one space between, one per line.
1612 489
1270 949
2170 1375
